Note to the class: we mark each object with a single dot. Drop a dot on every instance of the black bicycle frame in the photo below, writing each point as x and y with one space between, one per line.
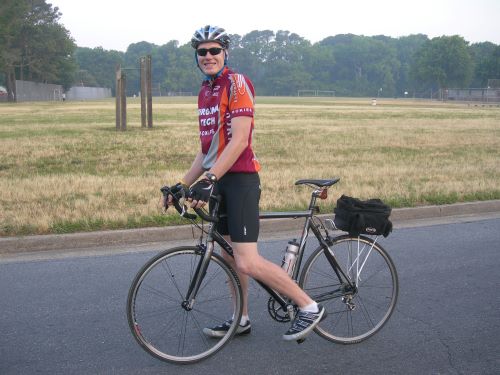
214 236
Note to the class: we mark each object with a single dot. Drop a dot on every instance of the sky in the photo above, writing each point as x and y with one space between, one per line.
113 25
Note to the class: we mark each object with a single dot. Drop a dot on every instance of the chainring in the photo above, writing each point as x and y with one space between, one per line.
276 311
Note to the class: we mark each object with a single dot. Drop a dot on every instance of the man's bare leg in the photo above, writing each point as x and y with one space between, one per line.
250 262
244 279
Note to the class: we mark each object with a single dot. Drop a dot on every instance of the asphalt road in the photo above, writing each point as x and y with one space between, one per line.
66 315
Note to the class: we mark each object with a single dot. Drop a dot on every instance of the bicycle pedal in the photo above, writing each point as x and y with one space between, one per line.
300 341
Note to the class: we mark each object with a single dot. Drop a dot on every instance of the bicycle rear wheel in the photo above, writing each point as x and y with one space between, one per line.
161 321
354 314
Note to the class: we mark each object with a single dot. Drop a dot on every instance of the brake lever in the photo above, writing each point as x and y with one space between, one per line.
176 198
182 208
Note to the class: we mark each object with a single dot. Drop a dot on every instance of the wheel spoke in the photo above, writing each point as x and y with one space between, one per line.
365 311
166 327
160 293
361 311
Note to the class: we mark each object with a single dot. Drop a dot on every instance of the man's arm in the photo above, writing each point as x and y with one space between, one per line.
240 128
195 171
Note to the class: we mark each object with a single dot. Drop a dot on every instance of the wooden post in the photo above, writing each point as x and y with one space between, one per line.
123 101
143 91
149 91
118 91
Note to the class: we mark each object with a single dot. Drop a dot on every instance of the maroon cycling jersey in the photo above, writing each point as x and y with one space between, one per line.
228 96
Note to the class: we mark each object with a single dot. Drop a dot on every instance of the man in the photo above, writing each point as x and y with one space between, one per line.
228 165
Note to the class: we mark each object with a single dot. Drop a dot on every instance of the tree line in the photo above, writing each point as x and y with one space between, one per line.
33 45
36 47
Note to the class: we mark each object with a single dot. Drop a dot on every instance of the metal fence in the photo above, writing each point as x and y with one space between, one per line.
486 95
88 93
34 91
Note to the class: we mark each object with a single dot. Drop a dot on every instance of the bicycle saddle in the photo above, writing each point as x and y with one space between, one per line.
318 183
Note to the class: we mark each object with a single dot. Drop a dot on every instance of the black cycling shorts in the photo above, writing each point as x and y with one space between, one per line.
239 207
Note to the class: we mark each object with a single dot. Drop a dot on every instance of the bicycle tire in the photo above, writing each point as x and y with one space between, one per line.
159 322
352 316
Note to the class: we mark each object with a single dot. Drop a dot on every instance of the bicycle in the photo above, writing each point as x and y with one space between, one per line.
184 289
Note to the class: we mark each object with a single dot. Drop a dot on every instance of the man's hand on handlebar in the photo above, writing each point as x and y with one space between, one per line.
179 189
200 193
198 196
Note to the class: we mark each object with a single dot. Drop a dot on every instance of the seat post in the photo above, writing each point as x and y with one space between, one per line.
314 196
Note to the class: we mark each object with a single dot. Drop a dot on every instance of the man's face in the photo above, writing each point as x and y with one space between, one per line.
210 64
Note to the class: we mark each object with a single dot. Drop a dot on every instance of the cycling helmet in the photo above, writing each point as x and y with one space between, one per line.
210 34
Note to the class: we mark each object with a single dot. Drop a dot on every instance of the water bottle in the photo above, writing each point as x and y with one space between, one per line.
290 256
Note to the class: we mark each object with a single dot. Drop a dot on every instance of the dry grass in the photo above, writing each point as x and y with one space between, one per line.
64 168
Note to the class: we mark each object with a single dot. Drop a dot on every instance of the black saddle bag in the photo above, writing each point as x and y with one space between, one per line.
362 217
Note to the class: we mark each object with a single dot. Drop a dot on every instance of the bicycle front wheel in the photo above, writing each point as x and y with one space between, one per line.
359 310
160 317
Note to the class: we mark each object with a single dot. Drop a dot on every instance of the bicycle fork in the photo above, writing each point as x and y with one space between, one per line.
199 275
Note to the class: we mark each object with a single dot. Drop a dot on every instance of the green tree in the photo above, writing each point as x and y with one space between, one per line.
443 62
282 63
164 59
33 45
320 63
132 61
486 63
97 66
49 58
492 65
407 46
285 69
12 12
182 74
85 78
249 53
258 44
363 65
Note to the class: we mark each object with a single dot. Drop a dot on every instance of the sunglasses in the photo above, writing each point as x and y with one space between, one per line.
213 51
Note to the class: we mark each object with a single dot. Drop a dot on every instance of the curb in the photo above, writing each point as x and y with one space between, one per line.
25 244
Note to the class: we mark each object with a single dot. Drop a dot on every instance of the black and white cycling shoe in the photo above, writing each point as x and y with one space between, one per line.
221 330
303 323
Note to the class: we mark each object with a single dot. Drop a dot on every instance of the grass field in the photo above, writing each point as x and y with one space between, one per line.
64 167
